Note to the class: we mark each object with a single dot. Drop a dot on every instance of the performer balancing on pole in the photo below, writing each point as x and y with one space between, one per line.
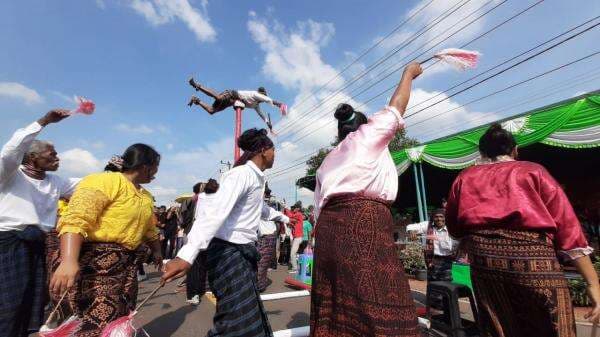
226 228
227 98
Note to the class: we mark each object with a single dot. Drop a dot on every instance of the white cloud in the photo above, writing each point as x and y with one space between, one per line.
293 59
160 12
163 128
143 129
170 146
68 99
21 92
162 192
101 4
79 162
99 145
442 119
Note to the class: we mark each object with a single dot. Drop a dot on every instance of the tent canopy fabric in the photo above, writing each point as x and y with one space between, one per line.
574 123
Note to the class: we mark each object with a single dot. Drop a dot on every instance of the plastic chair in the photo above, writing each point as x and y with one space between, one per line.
444 296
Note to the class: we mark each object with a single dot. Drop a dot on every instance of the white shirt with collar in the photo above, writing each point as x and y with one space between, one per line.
268 217
26 201
231 214
443 243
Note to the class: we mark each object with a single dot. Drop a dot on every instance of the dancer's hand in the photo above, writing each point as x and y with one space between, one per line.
64 276
175 269
413 70
594 314
53 116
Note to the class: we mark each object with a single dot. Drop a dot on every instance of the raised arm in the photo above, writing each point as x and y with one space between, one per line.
14 150
401 96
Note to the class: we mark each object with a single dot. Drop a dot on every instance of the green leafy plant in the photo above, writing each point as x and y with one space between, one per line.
579 297
413 257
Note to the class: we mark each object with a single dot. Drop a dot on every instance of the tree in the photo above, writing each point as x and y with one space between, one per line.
400 141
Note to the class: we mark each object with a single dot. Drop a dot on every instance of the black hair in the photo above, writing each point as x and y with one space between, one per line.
349 120
262 90
110 167
138 155
197 187
496 142
212 186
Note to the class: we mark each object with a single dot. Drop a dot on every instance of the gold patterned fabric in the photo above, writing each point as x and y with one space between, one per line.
519 285
107 286
106 207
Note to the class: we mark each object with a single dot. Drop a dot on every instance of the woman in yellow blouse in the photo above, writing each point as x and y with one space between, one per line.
109 217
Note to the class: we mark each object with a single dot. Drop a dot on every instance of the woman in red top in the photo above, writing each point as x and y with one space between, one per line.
296 220
515 219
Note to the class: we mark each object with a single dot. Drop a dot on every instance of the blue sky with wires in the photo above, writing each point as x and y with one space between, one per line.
133 57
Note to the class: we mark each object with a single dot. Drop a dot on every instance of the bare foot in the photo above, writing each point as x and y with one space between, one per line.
194 100
194 84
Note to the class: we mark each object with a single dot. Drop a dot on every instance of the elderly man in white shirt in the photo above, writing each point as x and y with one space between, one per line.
440 247
227 98
227 228
28 206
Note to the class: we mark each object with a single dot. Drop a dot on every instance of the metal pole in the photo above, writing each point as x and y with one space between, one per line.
423 191
237 133
419 200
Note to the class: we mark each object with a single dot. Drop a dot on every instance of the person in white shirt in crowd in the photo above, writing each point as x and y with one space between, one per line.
440 247
227 228
28 209
225 99
196 276
267 232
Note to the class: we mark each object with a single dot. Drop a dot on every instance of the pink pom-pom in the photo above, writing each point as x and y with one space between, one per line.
460 58
86 106
67 329
284 109
121 327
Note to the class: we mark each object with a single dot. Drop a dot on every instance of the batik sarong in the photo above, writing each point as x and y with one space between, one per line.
23 285
359 288
107 286
232 278
266 247
519 285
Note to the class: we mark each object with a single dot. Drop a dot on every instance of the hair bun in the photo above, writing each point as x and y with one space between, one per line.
496 127
343 112
248 139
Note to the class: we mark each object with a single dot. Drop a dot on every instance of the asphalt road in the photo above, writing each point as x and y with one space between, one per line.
167 313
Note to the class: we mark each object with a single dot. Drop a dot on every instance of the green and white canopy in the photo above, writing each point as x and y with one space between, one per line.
573 123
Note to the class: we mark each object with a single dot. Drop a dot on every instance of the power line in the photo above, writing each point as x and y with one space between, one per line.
576 81
405 43
505 69
290 168
509 87
365 52
503 63
464 45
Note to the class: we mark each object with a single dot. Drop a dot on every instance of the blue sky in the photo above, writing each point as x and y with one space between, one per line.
133 58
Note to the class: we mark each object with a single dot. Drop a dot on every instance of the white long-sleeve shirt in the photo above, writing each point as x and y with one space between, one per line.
443 243
232 214
23 200
267 224
252 99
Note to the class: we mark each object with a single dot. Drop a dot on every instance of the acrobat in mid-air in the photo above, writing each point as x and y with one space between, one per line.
227 98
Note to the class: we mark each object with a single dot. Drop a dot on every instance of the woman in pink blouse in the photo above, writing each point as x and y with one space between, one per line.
515 218
359 287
